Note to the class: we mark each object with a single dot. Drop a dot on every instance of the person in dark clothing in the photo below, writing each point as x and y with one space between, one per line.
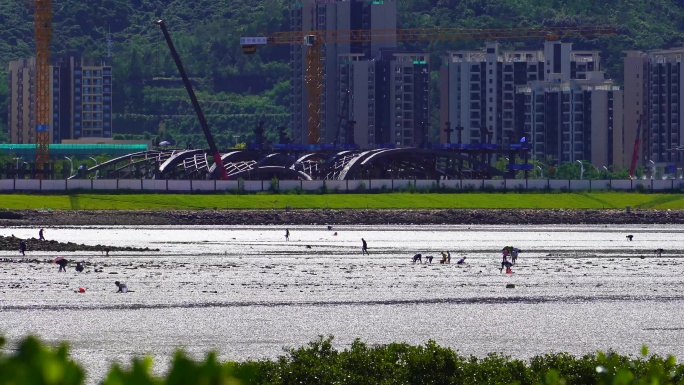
287 234
80 266
22 247
364 247
418 258
62 264
122 287
40 235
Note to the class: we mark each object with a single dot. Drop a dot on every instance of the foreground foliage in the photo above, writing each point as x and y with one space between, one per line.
320 363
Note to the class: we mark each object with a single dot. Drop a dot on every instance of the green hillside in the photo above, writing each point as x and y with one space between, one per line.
235 89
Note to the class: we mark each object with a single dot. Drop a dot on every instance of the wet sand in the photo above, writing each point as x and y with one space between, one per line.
246 292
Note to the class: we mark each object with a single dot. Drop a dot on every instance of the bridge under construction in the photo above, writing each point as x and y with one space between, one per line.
453 161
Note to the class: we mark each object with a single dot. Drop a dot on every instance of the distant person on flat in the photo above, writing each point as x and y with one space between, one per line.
122 287
62 264
364 247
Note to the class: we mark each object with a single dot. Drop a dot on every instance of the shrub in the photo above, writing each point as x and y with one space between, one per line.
274 185
320 363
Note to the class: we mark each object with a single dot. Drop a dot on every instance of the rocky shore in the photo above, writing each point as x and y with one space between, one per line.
12 243
41 218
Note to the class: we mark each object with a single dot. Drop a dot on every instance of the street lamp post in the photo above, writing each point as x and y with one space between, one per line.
581 169
16 167
653 169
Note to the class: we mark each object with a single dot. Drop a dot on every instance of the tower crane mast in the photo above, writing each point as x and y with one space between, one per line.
314 41
43 34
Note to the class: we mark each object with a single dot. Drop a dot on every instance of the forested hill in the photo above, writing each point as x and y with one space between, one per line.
235 89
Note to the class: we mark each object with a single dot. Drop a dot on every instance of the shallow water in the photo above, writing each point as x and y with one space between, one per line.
247 293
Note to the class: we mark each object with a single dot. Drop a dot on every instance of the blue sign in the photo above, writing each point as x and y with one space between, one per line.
42 127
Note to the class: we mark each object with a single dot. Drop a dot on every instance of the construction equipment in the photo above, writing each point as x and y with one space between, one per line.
635 154
195 104
314 40
42 25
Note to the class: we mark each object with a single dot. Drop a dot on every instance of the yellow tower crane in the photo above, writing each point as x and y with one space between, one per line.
314 41
43 33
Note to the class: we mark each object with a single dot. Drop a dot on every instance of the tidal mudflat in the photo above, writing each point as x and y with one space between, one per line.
246 292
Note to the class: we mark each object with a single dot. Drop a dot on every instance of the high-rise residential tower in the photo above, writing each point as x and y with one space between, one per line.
91 107
384 102
81 104
574 119
21 106
653 87
319 15
556 98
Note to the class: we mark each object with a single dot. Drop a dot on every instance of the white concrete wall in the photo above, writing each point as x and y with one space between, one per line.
104 184
402 184
378 184
203 186
496 184
53 185
226 185
256 185
154 185
333 185
187 186
81 184
179 185
289 184
313 185
130 184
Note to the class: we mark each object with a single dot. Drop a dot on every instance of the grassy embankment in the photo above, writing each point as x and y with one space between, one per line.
343 201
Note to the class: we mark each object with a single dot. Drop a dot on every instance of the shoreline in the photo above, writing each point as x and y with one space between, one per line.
42 218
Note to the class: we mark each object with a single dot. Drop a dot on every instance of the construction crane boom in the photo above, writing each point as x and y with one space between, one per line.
195 104
43 33
433 34
314 40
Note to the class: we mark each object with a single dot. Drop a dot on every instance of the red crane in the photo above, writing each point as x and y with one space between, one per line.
195 104
43 32
635 154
